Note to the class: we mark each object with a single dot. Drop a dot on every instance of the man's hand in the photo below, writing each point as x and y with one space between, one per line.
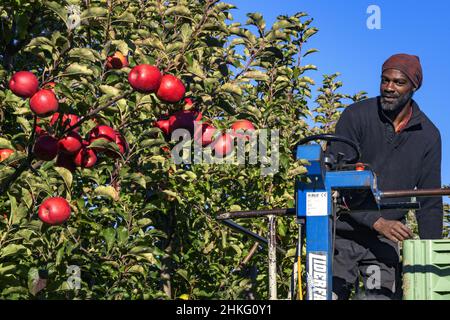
393 230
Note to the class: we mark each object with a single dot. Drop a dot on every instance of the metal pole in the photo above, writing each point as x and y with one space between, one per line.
299 263
249 233
415 193
272 258
255 213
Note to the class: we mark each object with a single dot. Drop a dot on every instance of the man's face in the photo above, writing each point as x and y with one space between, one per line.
395 89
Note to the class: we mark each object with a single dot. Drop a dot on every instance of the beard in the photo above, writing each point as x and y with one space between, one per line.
397 103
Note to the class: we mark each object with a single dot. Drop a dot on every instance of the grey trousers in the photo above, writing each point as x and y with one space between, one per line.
375 259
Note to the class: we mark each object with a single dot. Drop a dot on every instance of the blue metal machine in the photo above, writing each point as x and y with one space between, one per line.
315 204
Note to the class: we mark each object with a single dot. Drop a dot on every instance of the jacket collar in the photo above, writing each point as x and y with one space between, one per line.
416 117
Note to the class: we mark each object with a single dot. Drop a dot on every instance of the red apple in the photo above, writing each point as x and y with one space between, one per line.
164 125
66 161
207 134
71 143
145 78
5 154
45 148
85 158
223 145
166 149
24 84
171 89
116 61
184 119
54 210
67 121
242 126
102 132
188 102
121 143
38 130
44 103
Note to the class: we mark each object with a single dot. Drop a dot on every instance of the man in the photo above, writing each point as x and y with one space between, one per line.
403 147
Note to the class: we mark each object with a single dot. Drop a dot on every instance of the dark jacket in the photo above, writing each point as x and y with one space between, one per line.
404 160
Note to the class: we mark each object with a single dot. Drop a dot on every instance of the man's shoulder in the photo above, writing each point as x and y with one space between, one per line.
429 128
365 106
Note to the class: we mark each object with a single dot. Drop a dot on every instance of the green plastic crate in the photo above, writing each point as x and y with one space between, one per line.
426 270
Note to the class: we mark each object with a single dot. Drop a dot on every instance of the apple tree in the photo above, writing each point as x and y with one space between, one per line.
114 80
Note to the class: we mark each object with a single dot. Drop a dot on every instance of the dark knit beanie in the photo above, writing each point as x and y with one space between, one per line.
408 64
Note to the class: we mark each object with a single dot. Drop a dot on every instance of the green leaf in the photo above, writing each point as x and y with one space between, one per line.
309 33
309 80
171 193
126 17
76 68
254 111
84 53
291 253
235 207
24 123
209 248
94 12
144 222
196 69
8 268
12 249
137 269
232 88
66 175
109 90
186 32
5 144
107 191
308 52
184 274
27 198
257 75
60 255
122 235
152 142
110 236
139 179
40 41
178 10
104 144
122 46
237 249
256 19
17 212
58 9
33 277
281 228
149 257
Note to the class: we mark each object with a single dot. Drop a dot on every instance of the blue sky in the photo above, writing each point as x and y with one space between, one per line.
347 46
